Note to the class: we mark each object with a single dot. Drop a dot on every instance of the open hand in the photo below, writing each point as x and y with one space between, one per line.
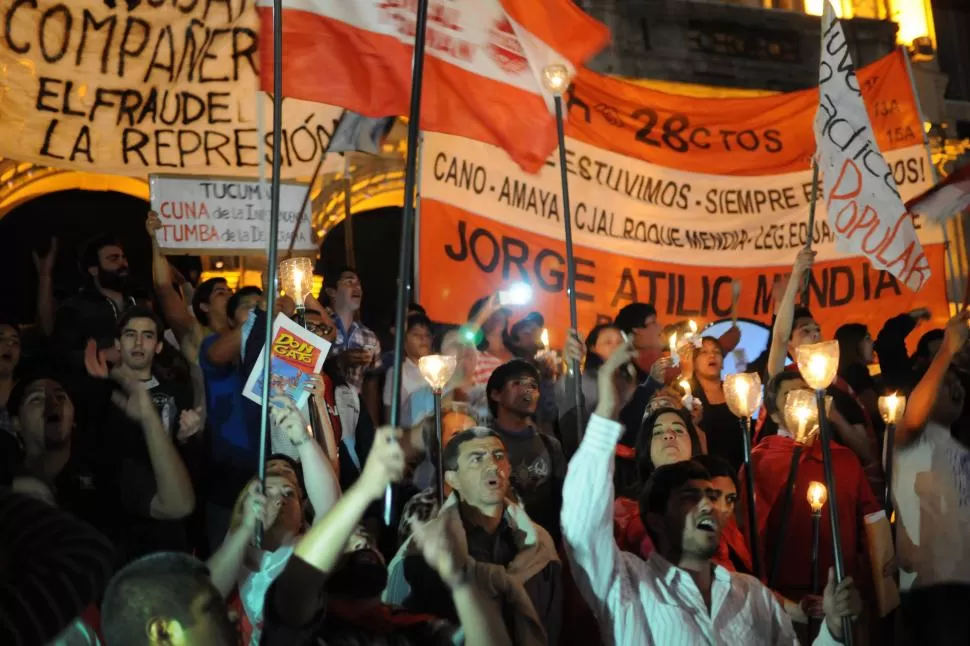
99 362
443 546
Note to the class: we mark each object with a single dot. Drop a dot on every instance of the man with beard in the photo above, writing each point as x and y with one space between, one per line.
537 461
677 596
93 312
330 588
501 538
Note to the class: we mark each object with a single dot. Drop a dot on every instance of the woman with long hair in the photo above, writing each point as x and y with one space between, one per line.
720 426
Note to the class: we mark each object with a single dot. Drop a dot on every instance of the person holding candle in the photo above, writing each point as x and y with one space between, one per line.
719 425
859 510
794 327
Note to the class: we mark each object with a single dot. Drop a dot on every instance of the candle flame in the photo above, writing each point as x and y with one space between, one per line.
545 338
817 495
673 343
693 326
686 387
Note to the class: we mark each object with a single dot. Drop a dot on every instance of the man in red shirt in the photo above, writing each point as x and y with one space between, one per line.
771 460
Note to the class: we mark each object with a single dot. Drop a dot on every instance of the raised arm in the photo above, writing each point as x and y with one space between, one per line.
174 309
322 486
227 561
173 496
785 312
587 528
922 400
45 287
323 545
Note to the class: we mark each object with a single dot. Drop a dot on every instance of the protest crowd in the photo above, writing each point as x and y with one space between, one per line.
616 487
131 496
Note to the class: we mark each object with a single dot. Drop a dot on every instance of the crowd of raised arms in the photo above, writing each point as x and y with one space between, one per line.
130 495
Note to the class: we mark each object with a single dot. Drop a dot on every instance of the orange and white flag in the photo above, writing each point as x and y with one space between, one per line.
483 66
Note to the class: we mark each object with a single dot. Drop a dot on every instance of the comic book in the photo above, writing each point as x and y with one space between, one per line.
297 353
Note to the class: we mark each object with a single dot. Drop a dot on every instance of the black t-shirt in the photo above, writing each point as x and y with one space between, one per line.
301 584
538 470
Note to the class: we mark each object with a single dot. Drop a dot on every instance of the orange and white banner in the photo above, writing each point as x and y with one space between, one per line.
648 229
483 64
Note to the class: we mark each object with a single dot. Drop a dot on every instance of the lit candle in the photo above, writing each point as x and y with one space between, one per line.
892 402
545 338
674 357
688 398
817 495
693 327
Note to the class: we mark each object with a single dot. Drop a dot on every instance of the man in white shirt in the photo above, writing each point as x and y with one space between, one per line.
677 596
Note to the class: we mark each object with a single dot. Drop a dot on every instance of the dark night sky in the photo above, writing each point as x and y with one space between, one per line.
75 216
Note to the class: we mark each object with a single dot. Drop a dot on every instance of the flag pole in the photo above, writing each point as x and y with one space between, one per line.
556 80
272 244
933 171
348 224
812 205
309 188
407 225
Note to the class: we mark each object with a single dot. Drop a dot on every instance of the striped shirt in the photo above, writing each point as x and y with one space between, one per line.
654 602
55 566
485 366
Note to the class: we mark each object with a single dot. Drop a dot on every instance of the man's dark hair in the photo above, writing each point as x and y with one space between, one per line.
140 312
504 374
331 275
415 308
163 585
774 387
800 313
236 299
718 467
534 318
91 249
656 492
202 296
420 320
29 374
923 347
633 315
449 460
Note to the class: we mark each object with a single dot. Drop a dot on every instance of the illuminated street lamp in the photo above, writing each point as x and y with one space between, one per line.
743 395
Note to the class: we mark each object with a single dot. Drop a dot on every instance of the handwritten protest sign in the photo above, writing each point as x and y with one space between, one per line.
862 200
297 354
144 86
222 215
